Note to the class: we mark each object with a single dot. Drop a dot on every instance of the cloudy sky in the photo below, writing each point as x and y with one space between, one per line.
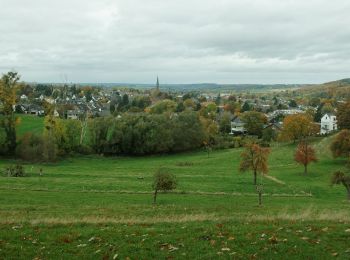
182 41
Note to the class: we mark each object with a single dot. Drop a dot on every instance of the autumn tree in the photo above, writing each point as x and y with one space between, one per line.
163 180
343 115
298 127
49 145
340 146
211 130
163 106
209 111
189 104
232 107
254 122
305 154
98 133
292 103
225 122
340 178
254 158
245 107
8 87
327 108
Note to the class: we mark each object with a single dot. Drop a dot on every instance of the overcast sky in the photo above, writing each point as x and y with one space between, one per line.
182 41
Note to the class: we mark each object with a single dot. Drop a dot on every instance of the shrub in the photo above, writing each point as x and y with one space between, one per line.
3 149
237 141
224 142
30 147
183 164
15 171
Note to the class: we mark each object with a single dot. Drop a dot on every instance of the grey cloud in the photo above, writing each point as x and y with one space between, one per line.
224 41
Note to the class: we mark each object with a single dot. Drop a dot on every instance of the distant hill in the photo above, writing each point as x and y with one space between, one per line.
336 83
333 89
338 86
212 87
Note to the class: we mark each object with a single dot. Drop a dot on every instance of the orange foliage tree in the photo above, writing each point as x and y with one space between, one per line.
305 154
255 158
297 127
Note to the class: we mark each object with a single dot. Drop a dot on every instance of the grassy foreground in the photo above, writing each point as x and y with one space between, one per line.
101 208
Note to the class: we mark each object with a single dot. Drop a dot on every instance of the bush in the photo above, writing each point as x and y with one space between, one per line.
237 142
14 171
139 134
224 142
183 164
269 135
30 147
3 145
84 149
49 153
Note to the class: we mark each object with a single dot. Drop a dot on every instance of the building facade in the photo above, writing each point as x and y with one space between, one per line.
328 124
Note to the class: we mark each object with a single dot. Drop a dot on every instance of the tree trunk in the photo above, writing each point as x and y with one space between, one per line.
260 198
347 189
255 177
155 196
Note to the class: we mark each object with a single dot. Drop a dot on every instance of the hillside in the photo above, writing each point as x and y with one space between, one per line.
334 89
97 207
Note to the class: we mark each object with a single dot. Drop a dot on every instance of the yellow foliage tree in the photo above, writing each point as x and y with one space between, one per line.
297 127
8 87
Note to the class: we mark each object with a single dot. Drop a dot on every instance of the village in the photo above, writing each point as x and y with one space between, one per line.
77 102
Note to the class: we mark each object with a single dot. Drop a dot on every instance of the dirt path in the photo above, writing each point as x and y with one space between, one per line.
274 179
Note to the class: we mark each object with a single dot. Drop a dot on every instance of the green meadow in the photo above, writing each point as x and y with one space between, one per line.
96 207
30 123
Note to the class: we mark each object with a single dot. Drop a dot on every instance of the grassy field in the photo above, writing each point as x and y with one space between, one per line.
30 123
101 208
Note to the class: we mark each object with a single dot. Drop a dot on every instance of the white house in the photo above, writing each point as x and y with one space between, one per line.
328 124
24 97
237 126
55 113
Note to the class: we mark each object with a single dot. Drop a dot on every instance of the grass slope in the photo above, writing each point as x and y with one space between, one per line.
96 207
30 123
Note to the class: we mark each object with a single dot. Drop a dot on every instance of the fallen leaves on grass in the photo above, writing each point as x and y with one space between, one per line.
172 248
273 240
169 247
16 227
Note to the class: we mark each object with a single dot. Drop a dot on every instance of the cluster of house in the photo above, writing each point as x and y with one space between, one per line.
328 122
76 106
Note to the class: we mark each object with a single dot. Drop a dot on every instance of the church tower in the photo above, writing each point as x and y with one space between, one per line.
157 83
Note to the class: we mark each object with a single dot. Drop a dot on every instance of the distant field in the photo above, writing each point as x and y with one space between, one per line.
96 207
